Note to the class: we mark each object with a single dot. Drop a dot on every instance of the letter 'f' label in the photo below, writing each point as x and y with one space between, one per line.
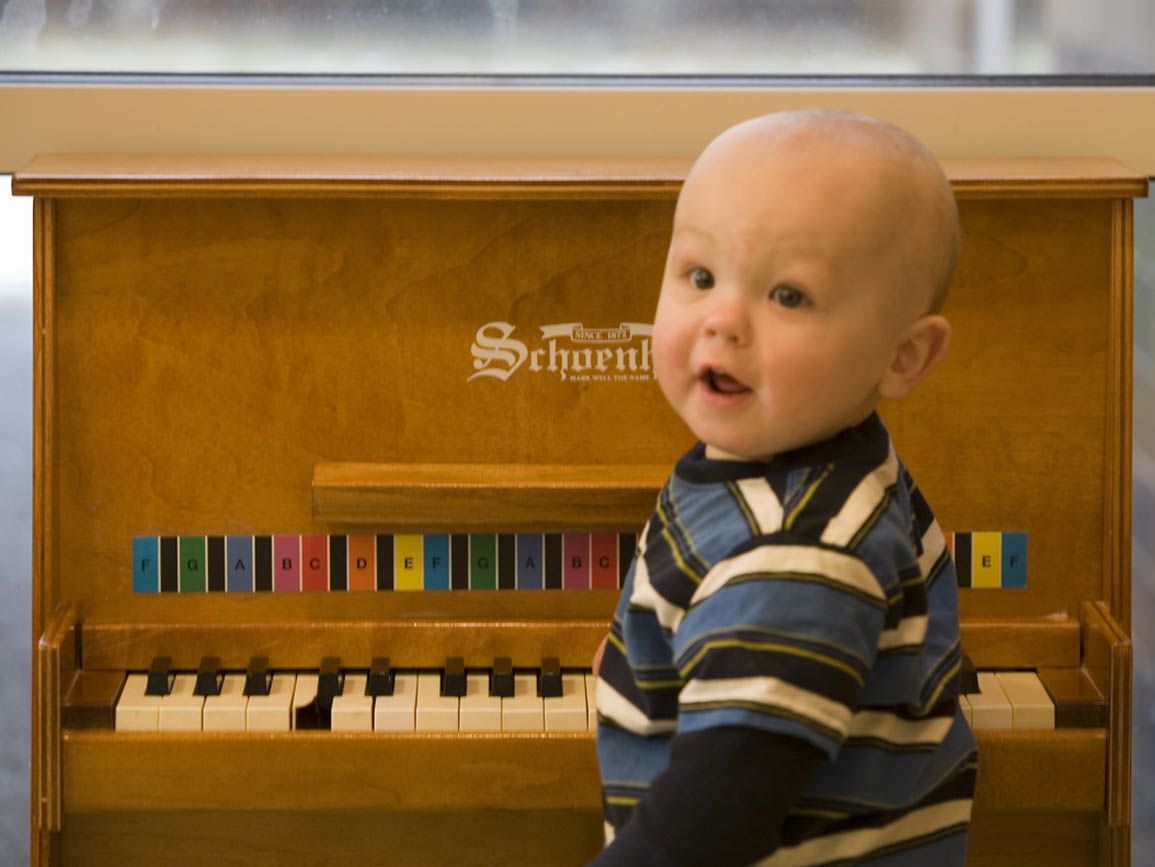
495 354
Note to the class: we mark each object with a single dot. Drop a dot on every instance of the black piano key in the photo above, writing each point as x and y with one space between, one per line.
501 678
627 547
553 561
459 561
338 562
381 679
313 716
330 681
962 558
160 676
384 562
209 677
506 561
258 679
263 563
453 677
169 565
216 564
549 680
968 677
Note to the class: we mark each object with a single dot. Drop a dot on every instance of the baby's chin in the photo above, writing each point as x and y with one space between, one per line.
717 453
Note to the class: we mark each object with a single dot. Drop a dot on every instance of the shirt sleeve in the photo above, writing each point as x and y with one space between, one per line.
715 803
780 636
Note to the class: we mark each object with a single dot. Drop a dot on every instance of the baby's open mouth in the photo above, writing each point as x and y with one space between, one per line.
723 383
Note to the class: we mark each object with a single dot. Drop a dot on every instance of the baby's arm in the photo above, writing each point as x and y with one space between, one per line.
597 662
721 801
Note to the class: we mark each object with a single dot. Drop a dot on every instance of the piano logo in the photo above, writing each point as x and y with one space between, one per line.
575 353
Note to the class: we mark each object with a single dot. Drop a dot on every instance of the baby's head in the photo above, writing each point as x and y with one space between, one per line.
810 257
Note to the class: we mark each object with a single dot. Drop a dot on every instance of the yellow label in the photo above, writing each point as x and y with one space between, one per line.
986 560
407 569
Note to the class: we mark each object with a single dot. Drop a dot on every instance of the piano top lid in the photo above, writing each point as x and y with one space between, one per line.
491 177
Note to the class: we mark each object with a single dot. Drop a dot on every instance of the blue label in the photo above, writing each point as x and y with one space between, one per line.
1014 560
239 563
145 564
529 567
436 563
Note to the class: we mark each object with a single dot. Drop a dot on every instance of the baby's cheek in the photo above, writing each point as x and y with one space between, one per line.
665 353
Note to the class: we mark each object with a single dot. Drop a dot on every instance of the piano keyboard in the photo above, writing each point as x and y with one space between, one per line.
417 704
991 700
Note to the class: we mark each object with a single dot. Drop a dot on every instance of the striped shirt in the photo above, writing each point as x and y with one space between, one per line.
811 596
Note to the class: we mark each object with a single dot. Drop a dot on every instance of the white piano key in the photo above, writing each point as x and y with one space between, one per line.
479 711
180 710
304 693
567 712
965 705
397 712
989 706
592 701
524 711
225 712
273 712
1031 705
435 712
352 709
135 711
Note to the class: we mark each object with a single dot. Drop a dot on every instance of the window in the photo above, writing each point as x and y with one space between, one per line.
578 37
558 77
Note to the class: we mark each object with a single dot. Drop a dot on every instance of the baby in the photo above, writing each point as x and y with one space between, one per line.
779 685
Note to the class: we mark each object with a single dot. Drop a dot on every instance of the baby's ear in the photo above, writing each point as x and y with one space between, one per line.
919 352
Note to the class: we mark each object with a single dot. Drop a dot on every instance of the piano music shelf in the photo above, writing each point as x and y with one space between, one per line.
486 497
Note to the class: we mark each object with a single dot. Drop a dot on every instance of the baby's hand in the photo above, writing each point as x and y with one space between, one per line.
598 654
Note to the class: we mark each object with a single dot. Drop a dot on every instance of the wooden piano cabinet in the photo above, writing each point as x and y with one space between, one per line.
248 346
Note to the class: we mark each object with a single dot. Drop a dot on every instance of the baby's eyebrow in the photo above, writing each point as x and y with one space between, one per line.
692 230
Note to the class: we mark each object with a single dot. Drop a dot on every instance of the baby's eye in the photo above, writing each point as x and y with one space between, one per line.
787 296
702 279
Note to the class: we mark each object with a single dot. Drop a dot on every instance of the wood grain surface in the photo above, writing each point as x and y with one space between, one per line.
254 345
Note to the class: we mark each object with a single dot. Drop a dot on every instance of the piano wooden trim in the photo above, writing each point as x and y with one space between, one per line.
991 644
485 497
1107 654
113 771
1117 515
57 660
413 643
56 175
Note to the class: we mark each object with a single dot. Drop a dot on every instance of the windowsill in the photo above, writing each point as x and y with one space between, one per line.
246 118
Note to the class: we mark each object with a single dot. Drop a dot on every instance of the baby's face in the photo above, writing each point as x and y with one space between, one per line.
778 314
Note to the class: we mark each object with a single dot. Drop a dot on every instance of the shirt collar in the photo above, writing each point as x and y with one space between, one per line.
867 441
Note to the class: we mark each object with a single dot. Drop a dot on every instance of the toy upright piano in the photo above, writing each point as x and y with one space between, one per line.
337 463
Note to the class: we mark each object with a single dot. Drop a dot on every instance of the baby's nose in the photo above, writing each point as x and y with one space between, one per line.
727 320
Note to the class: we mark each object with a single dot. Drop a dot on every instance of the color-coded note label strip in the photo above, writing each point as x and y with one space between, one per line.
989 560
381 562
484 561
